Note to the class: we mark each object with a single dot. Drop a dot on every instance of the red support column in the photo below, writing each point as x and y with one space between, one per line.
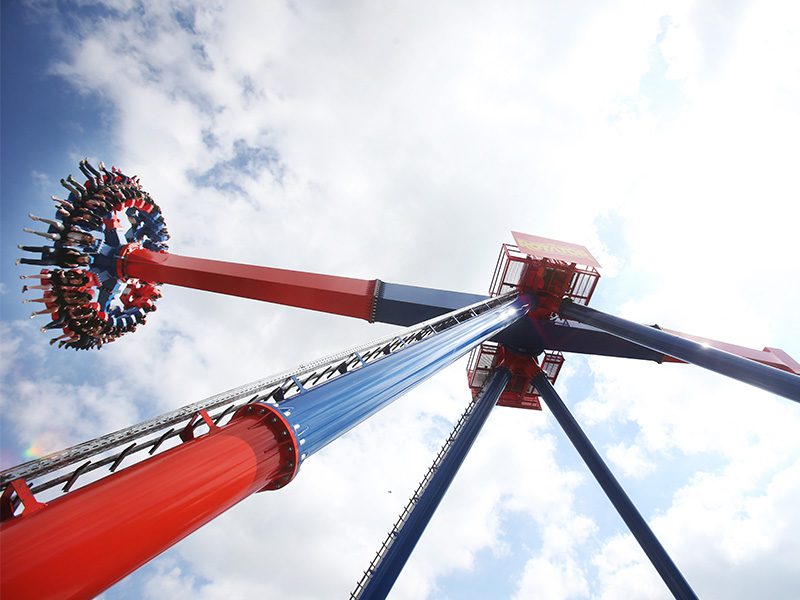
325 293
80 544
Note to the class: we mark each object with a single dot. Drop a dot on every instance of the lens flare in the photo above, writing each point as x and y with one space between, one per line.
43 445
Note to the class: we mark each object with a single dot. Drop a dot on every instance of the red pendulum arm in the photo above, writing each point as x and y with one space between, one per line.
78 545
325 293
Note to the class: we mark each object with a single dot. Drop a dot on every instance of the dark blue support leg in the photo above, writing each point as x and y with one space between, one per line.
387 570
767 378
638 526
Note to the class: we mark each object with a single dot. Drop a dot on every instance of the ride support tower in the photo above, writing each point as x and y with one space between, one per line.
159 480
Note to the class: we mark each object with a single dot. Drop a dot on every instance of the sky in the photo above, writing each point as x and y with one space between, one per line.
404 141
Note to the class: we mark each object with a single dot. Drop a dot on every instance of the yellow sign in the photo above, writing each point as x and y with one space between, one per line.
546 248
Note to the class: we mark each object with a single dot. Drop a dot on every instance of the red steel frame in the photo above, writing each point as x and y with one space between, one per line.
550 280
119 523
326 293
519 392
514 269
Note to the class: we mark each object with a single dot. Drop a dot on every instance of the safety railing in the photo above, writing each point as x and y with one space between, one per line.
82 463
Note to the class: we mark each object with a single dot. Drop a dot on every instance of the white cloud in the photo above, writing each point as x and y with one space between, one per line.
169 581
630 459
623 573
52 411
723 533
555 572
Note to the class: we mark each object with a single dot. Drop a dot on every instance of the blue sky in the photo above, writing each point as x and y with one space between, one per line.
405 142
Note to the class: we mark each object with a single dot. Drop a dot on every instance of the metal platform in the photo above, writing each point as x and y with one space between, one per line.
515 268
520 392
548 278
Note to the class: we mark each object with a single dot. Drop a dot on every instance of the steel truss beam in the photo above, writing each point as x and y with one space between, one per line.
79 539
165 429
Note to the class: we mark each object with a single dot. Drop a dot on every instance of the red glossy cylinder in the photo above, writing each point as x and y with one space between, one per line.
325 293
80 544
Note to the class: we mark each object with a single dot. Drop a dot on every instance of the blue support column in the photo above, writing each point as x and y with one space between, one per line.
388 569
767 378
672 577
325 412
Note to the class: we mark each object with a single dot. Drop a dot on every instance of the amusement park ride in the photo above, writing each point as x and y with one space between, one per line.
74 522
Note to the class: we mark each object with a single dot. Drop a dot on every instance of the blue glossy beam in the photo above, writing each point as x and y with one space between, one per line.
658 556
406 305
325 412
762 376
389 568
532 336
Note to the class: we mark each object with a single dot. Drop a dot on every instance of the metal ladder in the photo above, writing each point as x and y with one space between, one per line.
67 467
401 520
